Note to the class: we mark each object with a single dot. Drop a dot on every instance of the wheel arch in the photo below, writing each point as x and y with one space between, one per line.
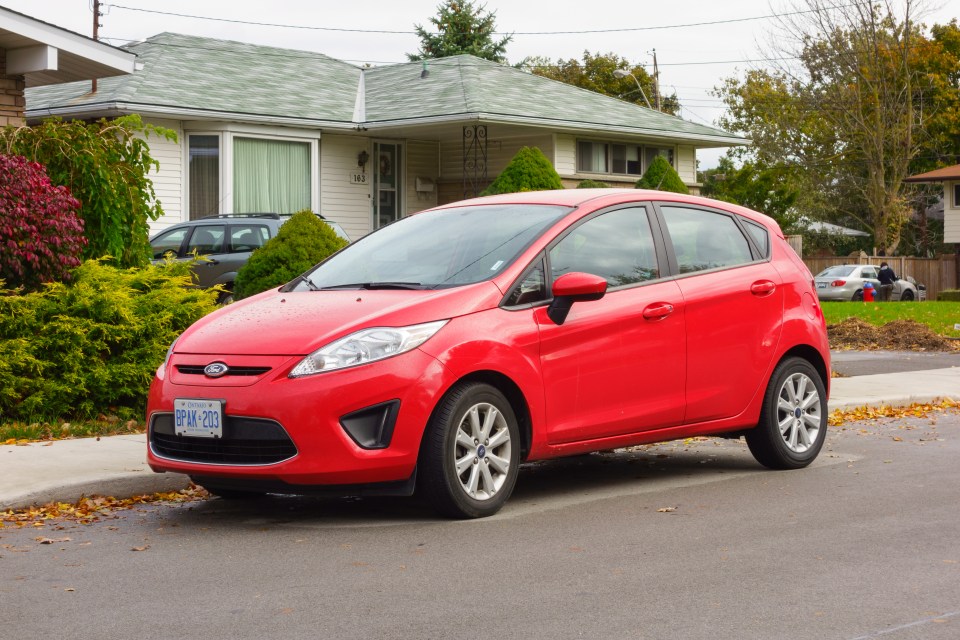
812 356
514 395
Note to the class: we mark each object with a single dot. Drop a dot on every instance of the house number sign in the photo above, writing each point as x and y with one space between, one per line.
358 178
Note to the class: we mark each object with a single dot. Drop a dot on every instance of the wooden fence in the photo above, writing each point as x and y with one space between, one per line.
936 273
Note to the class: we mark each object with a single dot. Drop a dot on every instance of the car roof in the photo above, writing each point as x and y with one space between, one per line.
607 197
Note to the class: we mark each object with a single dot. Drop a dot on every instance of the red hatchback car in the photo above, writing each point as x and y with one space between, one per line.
440 352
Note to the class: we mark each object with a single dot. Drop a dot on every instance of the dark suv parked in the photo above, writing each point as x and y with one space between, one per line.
226 241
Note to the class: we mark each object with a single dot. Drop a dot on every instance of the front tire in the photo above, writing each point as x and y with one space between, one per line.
470 456
793 420
906 296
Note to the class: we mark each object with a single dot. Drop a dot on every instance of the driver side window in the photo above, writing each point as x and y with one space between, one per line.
617 246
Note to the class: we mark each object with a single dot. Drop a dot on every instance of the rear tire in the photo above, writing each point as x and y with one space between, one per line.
858 296
793 420
470 456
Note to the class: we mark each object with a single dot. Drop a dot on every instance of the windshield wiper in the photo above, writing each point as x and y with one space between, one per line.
378 285
301 278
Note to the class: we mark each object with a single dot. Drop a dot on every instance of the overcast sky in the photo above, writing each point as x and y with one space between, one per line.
693 58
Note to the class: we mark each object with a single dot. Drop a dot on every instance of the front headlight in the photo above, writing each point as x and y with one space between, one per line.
367 345
162 371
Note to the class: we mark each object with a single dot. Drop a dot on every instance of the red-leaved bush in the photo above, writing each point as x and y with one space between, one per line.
41 235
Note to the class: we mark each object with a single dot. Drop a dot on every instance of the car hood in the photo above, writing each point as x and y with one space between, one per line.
298 323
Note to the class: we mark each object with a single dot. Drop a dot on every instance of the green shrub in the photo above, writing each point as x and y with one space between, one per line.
593 184
303 241
529 170
662 177
78 349
949 295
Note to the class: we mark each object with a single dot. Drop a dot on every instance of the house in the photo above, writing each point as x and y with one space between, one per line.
950 177
269 129
34 54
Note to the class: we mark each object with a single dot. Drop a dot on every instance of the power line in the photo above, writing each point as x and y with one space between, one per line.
506 33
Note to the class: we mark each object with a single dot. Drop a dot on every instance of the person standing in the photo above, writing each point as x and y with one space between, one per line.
887 277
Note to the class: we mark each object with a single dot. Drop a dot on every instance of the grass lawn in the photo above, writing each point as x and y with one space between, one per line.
13 432
939 316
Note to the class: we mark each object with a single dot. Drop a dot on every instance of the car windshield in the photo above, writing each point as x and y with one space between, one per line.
442 248
836 272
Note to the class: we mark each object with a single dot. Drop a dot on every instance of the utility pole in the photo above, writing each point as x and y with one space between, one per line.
96 36
656 82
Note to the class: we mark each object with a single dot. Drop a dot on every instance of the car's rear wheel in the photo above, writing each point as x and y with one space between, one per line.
858 296
470 455
793 420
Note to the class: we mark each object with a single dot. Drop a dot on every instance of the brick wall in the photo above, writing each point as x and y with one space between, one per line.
12 102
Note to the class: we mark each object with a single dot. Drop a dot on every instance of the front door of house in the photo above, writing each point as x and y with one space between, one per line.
387 196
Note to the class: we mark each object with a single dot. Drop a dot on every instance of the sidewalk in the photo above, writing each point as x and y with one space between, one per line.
65 470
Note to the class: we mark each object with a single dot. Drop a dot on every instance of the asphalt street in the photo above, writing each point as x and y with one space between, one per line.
689 539
862 363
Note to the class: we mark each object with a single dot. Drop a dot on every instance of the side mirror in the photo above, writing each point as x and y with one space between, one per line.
574 287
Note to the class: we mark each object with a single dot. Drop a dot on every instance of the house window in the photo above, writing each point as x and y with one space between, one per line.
203 177
956 195
237 173
625 159
270 176
592 157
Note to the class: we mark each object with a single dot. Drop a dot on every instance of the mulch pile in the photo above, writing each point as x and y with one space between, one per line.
899 335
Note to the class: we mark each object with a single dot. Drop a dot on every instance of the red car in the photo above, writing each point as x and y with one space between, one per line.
442 351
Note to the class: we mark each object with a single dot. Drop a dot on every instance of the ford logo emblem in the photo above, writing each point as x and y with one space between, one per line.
215 369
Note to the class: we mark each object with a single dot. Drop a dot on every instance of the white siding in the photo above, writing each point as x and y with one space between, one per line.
687 163
951 213
340 200
499 153
423 161
565 155
168 179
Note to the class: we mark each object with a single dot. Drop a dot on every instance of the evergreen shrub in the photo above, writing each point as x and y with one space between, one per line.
529 170
92 345
593 184
41 235
662 177
949 295
302 241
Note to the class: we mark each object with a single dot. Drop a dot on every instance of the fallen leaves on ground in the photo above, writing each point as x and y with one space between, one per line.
899 335
92 509
916 410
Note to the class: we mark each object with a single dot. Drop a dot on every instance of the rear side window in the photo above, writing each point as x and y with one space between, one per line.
247 237
617 246
760 236
704 239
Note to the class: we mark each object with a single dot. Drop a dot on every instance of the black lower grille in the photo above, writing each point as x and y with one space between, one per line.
245 441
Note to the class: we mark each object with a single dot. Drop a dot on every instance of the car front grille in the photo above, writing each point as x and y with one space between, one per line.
197 370
245 441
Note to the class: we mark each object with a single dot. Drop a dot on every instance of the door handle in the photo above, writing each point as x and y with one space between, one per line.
658 311
763 287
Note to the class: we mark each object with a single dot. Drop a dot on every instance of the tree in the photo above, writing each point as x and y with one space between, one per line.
529 170
302 241
41 236
462 27
662 177
595 72
105 164
771 190
849 117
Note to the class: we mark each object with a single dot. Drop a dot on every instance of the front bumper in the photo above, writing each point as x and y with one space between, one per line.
282 431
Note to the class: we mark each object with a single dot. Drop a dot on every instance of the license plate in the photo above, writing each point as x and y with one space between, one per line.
821 285
198 418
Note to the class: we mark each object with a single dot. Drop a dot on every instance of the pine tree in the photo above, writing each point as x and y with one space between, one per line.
461 28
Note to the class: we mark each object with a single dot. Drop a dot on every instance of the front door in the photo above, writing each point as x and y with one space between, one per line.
387 195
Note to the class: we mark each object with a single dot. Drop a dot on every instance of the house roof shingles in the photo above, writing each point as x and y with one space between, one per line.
216 78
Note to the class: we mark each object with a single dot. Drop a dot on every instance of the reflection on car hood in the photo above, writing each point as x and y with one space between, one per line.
298 323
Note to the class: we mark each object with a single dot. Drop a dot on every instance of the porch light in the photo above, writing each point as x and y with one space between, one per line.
362 160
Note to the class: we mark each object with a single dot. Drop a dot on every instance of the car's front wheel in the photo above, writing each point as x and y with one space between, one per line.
793 420
470 455
906 296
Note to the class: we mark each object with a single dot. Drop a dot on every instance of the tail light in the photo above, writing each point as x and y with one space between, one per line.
838 283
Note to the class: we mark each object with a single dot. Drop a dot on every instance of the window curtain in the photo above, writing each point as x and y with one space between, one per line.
204 176
270 176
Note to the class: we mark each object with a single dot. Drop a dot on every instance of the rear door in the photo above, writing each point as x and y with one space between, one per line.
733 309
209 241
